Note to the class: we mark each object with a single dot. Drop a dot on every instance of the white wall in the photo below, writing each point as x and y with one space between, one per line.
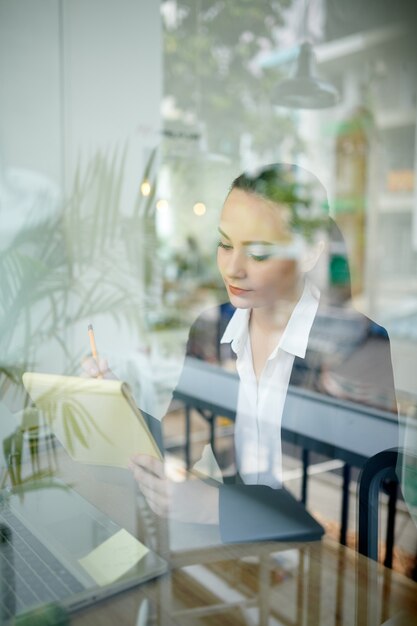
113 78
29 86
75 76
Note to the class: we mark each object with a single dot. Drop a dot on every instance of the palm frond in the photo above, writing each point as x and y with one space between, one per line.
91 258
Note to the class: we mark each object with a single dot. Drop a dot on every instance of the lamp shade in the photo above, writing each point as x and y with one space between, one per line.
305 90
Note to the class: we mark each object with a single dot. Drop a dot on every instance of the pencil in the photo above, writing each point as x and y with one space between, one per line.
92 342
94 348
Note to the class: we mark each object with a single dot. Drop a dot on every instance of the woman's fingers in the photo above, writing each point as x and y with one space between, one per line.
150 464
89 367
150 476
191 500
92 368
158 501
103 365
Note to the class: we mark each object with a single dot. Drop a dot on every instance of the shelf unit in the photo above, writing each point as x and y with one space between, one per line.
382 62
391 207
398 118
396 203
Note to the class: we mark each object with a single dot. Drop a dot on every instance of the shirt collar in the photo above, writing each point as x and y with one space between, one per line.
295 337
237 330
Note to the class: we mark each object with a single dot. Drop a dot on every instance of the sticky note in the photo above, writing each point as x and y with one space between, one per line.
113 558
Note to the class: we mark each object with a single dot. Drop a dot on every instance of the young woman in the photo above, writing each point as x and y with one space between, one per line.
274 236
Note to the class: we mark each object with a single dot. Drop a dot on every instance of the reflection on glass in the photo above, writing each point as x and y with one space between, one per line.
59 552
96 420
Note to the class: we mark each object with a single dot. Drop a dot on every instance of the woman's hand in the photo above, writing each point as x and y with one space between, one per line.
189 501
96 368
149 473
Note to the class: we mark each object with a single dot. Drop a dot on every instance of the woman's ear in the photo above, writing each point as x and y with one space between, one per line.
312 253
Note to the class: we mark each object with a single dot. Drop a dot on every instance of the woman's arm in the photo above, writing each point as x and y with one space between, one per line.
192 500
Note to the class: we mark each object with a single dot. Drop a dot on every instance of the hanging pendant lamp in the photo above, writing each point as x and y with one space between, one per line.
305 90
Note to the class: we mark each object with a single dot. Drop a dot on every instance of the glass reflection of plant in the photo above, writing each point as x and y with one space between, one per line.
212 79
307 201
90 258
78 422
13 447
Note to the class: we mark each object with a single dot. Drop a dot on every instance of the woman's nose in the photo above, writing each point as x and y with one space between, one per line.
236 267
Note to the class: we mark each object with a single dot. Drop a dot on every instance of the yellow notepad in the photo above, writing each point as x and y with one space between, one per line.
97 421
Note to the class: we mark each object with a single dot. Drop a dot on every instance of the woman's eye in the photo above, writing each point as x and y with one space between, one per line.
258 252
223 245
259 257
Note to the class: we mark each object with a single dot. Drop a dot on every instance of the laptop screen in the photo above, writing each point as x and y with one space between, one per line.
57 547
65 522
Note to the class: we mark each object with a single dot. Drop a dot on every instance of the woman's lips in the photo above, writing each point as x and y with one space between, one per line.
236 291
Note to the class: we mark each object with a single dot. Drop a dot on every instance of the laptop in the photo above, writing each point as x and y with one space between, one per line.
56 547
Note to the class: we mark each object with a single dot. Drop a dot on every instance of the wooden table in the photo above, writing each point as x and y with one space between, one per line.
324 584
330 586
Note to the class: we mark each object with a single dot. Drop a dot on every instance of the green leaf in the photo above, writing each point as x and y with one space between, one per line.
66 417
73 422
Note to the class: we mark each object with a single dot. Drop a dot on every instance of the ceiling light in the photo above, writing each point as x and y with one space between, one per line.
305 90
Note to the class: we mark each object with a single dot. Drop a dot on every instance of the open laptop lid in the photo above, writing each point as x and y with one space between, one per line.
97 421
103 557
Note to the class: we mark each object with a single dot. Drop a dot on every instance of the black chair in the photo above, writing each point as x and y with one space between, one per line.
380 471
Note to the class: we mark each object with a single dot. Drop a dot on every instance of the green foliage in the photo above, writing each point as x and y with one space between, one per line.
90 258
86 260
280 185
27 433
78 422
47 615
209 52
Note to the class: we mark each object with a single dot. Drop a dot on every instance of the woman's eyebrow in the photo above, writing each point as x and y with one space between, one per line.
257 243
248 243
223 233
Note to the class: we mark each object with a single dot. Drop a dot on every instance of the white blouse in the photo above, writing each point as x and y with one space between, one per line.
260 404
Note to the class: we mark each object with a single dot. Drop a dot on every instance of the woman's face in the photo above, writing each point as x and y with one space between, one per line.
257 251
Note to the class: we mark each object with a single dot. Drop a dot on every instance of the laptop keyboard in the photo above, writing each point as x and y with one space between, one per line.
30 575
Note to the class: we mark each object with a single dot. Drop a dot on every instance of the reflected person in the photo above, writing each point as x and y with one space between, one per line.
287 327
